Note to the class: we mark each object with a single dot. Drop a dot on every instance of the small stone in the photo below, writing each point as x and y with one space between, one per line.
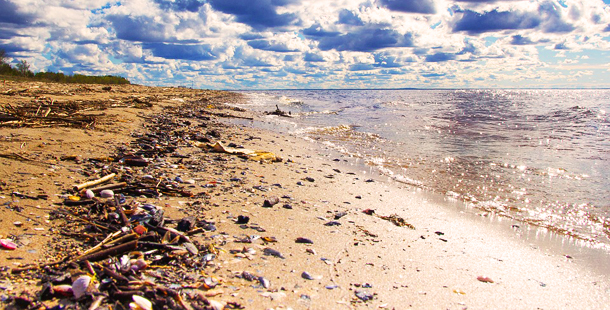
89 194
364 295
186 224
305 275
107 193
242 219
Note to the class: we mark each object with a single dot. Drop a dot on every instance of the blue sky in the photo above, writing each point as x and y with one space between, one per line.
262 44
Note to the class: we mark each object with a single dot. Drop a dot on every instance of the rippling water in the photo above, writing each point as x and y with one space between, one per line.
539 156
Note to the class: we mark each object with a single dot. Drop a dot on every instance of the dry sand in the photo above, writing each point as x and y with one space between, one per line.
437 265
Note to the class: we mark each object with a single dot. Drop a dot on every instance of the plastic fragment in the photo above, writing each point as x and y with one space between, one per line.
7 244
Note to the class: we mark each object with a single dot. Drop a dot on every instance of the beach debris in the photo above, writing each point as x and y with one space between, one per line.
303 240
364 295
264 282
279 112
368 211
242 219
140 303
485 279
7 244
101 180
269 239
80 286
107 193
256 155
394 218
332 223
307 276
272 252
339 214
270 202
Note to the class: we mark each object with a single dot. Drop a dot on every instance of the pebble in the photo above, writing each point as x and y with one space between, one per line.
264 282
272 252
89 194
305 275
364 295
303 240
107 193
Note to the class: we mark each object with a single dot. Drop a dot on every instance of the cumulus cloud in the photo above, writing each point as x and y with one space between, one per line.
476 23
10 13
410 6
258 14
314 43
366 40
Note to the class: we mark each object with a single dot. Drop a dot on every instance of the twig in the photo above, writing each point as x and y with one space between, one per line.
94 182
113 251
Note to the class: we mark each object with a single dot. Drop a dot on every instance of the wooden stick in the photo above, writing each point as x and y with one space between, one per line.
99 245
114 275
119 208
94 182
18 270
113 251
108 186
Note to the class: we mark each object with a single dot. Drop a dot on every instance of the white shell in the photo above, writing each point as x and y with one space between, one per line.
89 194
140 303
80 285
107 193
216 305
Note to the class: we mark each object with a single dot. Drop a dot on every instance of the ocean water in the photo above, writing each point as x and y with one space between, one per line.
536 156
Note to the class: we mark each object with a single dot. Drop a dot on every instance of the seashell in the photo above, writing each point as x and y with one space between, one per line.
138 264
191 248
89 194
80 286
140 230
18 224
63 290
7 244
140 303
124 263
364 295
305 275
216 305
107 193
303 240
264 282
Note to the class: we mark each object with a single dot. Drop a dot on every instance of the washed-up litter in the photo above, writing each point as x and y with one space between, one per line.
255 155
125 253
394 218
272 252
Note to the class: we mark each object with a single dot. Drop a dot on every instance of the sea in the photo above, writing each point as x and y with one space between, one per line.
537 156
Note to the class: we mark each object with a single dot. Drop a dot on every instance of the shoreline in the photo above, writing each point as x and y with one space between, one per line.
449 260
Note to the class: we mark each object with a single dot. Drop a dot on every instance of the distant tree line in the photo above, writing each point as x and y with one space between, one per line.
22 69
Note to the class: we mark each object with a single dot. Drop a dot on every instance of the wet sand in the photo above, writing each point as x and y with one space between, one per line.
449 260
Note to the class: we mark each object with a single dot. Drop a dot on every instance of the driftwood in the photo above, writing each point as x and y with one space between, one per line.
279 112
94 182
113 251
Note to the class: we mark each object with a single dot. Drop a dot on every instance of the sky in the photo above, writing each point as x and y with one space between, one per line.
302 44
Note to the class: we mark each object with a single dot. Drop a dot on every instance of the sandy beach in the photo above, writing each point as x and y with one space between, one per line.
333 237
